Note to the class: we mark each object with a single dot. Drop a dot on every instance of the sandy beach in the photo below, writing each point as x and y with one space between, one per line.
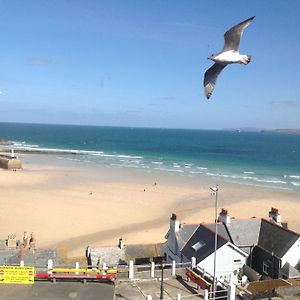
74 205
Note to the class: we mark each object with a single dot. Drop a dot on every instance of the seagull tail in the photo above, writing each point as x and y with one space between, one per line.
249 57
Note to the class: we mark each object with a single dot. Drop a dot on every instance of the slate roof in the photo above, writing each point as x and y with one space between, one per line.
143 251
222 231
110 255
115 255
7 255
251 273
206 236
184 234
244 232
289 271
239 232
276 239
38 259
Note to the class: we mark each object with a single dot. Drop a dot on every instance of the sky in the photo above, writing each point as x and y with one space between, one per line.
140 63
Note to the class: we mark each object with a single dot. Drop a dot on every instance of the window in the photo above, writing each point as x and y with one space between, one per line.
284 276
265 268
198 245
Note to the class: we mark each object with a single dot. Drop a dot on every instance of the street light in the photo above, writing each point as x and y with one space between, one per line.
215 192
162 281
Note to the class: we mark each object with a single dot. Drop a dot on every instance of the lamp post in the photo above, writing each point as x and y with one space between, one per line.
215 192
162 281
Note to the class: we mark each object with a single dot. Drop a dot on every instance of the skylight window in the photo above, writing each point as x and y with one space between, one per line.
198 245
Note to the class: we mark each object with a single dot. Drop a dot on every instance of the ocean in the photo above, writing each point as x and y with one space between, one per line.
263 159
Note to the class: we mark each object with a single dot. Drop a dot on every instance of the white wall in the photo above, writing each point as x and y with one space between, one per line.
226 256
293 255
171 248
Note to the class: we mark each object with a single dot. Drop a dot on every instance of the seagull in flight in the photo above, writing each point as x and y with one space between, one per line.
229 55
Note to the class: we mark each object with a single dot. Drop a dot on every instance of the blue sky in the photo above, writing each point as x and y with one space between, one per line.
141 63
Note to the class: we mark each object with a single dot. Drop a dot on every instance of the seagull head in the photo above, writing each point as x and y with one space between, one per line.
212 56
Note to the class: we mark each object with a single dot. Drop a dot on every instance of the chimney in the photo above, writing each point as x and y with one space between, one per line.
174 223
274 215
12 242
224 217
121 243
25 240
32 242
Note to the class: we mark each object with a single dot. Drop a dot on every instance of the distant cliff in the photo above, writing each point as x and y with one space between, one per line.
287 131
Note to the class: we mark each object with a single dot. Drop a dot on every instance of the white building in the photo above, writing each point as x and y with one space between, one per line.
266 246
187 241
229 258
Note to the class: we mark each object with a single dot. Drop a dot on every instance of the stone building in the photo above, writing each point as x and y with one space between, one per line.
10 162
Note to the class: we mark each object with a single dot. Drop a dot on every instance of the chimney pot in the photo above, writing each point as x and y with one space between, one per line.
174 216
275 215
121 243
174 223
223 216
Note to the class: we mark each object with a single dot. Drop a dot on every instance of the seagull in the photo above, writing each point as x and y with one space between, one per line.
229 55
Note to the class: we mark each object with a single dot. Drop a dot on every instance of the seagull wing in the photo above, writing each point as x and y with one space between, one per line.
210 78
233 35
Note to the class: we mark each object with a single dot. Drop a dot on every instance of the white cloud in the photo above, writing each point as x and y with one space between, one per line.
285 103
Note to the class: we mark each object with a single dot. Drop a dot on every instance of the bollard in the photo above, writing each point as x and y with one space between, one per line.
50 266
104 268
193 262
205 295
178 297
130 275
22 263
77 267
231 291
152 269
173 268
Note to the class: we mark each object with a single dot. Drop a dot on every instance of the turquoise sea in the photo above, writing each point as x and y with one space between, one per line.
251 158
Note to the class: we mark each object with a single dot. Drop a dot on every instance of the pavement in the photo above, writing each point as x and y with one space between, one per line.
140 289
57 291
122 290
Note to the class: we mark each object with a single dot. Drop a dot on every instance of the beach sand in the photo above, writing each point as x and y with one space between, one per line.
72 205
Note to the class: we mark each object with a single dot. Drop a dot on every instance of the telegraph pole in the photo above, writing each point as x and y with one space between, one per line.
215 191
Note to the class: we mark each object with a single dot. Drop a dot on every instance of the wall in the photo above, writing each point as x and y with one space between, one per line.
260 257
7 163
229 260
171 248
293 255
